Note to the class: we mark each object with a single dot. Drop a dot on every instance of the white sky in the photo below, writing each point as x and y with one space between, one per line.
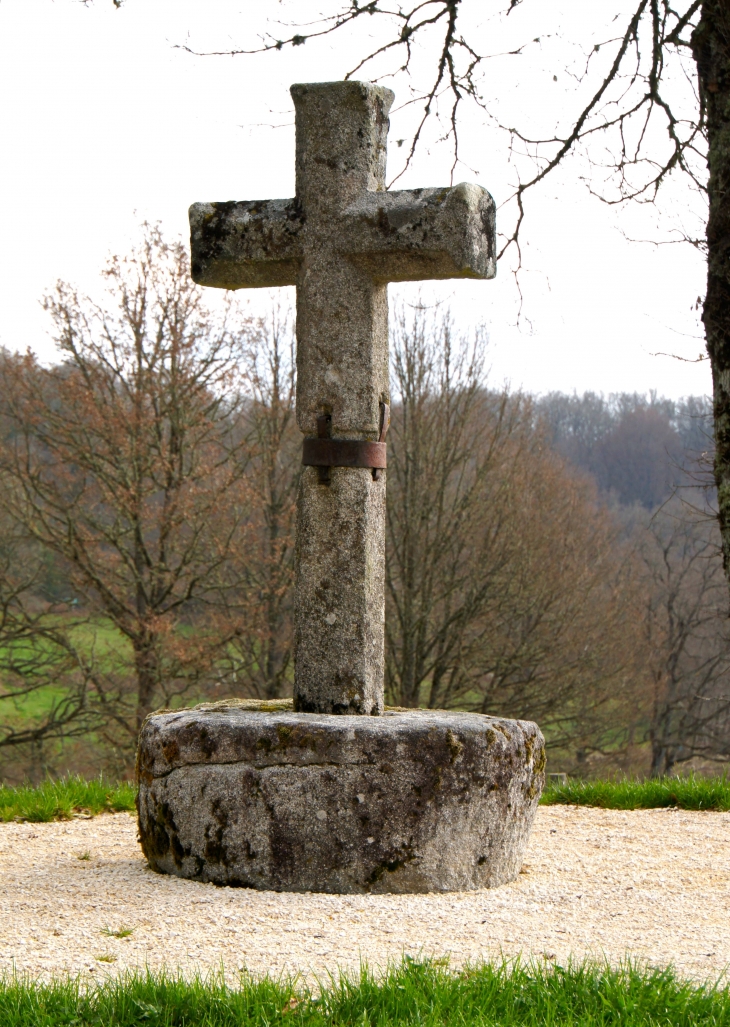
104 124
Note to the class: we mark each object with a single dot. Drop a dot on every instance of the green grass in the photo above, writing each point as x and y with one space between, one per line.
693 793
417 992
59 800
122 932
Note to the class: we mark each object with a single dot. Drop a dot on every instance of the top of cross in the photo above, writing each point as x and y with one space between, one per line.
405 235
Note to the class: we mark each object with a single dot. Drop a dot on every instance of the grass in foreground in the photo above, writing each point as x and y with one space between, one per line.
420 993
60 800
692 793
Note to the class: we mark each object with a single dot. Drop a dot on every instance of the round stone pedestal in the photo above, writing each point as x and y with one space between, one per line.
411 801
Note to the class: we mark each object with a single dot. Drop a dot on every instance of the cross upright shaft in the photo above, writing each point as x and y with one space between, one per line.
340 241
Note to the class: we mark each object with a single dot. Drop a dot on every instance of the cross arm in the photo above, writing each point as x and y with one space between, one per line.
417 234
247 244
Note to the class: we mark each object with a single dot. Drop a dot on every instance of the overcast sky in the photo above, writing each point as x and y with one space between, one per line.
105 123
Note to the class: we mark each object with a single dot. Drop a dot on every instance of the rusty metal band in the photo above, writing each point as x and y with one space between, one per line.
343 453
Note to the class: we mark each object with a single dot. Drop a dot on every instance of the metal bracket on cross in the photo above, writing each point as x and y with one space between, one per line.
325 452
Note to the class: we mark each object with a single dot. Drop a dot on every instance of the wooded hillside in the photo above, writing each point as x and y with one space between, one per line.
551 558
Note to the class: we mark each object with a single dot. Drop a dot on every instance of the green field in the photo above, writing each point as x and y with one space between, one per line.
96 638
417 992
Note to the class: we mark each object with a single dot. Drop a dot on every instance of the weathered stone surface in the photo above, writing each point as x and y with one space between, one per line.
339 601
407 235
407 802
418 234
340 241
250 244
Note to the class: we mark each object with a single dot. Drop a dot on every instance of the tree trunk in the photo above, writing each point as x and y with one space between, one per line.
147 670
276 651
662 758
711 49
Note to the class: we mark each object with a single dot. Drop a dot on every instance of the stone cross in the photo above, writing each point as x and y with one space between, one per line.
340 241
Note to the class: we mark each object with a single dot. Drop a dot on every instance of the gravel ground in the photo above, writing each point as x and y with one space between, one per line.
652 883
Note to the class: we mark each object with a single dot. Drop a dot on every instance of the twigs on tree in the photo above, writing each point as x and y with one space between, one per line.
624 106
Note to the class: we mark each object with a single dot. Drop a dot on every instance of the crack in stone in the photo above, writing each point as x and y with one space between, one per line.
262 766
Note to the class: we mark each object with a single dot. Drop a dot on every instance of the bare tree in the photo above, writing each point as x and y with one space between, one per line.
628 84
508 589
442 450
40 665
126 461
258 661
687 640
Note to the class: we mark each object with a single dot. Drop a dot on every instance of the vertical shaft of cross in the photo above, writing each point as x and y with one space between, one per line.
342 371
340 240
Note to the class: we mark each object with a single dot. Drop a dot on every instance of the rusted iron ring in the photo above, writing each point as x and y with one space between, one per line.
325 452
343 453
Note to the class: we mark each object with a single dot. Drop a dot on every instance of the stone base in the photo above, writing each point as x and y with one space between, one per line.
412 801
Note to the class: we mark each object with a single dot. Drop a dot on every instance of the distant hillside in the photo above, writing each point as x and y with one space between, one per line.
639 449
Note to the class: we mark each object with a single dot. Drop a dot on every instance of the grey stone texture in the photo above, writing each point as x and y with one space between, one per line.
340 606
411 801
340 241
399 801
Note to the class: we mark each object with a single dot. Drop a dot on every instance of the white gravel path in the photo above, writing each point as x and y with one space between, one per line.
654 884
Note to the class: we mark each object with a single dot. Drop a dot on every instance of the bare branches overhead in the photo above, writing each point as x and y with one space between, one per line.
626 101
